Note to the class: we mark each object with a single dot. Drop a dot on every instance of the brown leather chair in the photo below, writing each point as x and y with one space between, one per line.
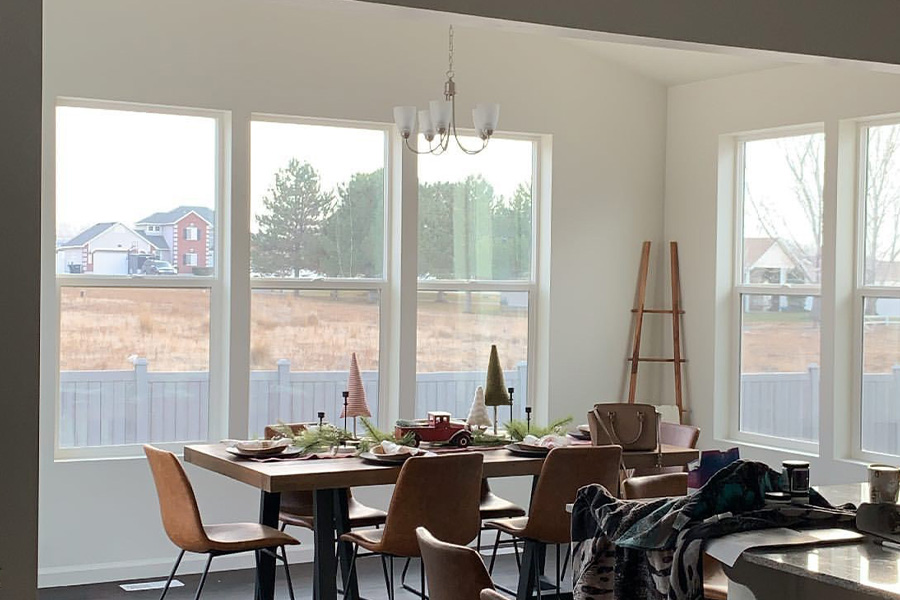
564 472
672 434
181 520
489 594
440 493
297 507
453 572
655 486
715 583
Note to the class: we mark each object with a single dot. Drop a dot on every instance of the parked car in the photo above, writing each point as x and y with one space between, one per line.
157 267
437 428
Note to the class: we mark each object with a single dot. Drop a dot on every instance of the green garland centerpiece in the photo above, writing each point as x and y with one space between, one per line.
517 429
318 438
374 436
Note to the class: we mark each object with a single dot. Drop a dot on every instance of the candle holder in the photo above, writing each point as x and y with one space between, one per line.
510 390
321 416
528 419
346 396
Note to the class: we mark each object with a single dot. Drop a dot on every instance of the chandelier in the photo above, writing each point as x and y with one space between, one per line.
438 123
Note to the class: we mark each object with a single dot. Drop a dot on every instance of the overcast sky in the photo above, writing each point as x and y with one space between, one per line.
123 166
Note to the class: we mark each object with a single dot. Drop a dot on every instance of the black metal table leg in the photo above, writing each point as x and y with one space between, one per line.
269 504
345 549
325 567
525 588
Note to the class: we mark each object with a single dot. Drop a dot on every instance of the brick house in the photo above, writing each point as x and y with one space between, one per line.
187 233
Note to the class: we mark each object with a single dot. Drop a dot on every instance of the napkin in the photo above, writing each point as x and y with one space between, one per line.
388 447
548 441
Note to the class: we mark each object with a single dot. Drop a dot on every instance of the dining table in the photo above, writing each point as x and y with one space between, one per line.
329 478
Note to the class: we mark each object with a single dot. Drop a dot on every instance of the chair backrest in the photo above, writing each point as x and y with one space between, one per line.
564 472
675 434
655 486
490 594
440 493
453 572
177 504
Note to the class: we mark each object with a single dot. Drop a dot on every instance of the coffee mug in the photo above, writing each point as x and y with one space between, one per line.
884 484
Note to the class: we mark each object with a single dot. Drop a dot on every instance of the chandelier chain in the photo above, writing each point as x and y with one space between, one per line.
450 72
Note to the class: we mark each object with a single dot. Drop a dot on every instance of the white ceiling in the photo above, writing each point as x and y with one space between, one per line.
672 66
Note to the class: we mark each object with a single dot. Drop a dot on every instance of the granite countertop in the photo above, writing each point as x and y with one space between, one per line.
857 567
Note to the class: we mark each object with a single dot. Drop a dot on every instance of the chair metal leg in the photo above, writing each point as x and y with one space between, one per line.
566 560
350 571
287 572
406 586
537 574
494 554
387 581
422 577
478 543
516 550
391 560
203 577
172 575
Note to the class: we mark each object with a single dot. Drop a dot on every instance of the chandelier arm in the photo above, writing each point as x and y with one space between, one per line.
456 136
431 149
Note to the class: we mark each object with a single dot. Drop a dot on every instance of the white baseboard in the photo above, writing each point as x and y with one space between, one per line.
128 570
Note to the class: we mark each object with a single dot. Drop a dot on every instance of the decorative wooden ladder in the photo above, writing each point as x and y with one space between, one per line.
676 313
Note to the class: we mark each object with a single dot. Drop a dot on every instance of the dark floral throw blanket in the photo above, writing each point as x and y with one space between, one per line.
627 550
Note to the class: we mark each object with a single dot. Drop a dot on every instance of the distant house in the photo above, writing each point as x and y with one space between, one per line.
105 249
186 233
769 260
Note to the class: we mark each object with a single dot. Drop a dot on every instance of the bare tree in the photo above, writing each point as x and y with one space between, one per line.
882 197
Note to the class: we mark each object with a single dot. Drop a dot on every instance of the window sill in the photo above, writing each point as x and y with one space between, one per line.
810 453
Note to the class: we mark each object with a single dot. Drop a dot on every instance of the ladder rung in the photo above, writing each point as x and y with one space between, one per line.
666 311
662 360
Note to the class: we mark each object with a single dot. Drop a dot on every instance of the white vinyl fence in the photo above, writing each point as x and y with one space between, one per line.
100 408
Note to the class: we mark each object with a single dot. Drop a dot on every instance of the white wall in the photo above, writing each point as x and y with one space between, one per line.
99 518
698 114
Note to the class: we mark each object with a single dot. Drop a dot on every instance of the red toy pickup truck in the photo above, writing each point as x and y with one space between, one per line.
437 428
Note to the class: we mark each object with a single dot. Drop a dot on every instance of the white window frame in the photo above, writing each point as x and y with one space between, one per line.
190 258
740 289
191 233
862 290
529 286
381 285
219 302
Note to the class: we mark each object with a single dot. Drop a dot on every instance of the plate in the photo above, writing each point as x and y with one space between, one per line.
527 450
282 452
583 432
391 459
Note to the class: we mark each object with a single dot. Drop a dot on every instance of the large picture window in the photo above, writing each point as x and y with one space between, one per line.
878 290
318 197
777 288
476 276
134 333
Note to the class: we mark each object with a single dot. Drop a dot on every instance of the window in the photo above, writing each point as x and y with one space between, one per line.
777 285
476 278
134 342
878 290
191 233
190 259
318 196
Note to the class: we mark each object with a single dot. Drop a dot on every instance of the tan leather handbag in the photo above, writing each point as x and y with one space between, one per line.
635 427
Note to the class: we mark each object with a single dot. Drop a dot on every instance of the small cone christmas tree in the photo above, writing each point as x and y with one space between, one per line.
356 402
478 414
495 391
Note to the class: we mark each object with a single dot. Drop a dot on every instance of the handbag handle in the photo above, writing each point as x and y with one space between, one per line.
618 438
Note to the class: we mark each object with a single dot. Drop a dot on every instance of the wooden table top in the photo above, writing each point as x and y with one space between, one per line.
297 475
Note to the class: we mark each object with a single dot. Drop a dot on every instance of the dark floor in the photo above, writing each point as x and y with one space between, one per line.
239 585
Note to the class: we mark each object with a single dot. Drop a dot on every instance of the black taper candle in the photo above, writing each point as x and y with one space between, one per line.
510 390
528 419
321 418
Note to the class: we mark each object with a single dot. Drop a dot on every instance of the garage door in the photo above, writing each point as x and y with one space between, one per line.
110 262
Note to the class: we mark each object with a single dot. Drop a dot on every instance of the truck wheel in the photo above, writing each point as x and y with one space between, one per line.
417 439
463 440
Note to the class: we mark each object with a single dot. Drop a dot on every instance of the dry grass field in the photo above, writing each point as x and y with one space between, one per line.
102 327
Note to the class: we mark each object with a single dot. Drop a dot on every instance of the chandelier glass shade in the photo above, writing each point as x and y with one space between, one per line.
437 124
